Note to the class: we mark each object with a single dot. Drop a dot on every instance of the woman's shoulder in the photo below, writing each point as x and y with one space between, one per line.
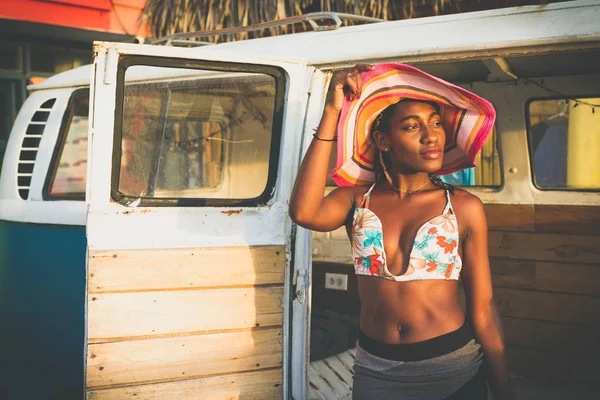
463 197
467 206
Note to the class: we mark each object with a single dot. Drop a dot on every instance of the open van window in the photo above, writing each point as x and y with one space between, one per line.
67 175
487 173
564 143
202 134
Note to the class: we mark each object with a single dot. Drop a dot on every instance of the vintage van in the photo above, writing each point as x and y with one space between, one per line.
145 246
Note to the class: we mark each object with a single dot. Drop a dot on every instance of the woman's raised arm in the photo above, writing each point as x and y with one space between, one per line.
308 207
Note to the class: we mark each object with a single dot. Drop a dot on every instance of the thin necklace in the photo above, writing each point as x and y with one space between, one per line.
409 191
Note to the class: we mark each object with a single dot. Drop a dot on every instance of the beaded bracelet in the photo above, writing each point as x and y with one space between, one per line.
325 140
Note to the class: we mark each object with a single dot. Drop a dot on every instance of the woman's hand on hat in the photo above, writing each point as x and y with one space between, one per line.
344 83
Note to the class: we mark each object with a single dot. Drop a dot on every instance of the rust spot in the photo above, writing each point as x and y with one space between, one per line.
145 210
257 364
277 253
276 385
114 256
100 368
93 356
128 212
230 212
93 299
91 275
257 324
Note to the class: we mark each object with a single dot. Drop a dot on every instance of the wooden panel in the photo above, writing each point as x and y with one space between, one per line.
185 268
552 364
579 220
545 247
165 359
546 276
262 385
507 217
542 335
332 250
121 315
546 306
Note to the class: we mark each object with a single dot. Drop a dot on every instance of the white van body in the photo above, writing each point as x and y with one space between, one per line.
211 296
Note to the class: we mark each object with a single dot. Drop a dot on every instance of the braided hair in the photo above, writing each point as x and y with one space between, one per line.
381 123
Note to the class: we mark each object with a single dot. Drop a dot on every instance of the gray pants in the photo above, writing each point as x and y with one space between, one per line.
436 378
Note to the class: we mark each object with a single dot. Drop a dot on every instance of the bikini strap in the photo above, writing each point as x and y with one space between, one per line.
367 197
448 203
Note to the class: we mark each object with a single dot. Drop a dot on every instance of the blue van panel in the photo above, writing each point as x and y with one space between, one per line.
42 300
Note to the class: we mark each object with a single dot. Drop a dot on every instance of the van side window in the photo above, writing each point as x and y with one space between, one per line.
203 135
564 143
67 174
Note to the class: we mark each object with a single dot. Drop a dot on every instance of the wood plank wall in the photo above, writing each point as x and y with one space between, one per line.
185 323
546 272
545 264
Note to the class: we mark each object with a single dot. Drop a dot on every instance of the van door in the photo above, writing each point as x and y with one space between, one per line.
192 158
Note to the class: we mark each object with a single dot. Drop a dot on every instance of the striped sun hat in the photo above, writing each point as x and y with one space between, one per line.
467 120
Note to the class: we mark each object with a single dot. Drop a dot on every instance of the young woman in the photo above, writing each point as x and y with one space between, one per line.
412 237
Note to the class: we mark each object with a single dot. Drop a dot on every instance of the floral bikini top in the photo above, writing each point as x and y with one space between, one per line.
434 254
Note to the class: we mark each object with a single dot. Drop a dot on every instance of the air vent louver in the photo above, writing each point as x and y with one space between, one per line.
30 146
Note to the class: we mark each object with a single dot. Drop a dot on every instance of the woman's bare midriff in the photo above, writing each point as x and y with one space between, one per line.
408 312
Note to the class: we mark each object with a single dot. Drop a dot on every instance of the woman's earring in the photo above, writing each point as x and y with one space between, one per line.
385 171
381 159
385 149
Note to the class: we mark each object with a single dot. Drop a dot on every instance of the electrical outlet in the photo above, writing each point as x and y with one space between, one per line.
336 281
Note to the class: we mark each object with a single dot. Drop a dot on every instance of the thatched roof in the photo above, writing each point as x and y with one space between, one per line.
166 17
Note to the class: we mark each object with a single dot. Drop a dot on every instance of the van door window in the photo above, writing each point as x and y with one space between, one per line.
199 134
69 164
564 143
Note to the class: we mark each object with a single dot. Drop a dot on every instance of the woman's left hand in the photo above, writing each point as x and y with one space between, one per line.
347 82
